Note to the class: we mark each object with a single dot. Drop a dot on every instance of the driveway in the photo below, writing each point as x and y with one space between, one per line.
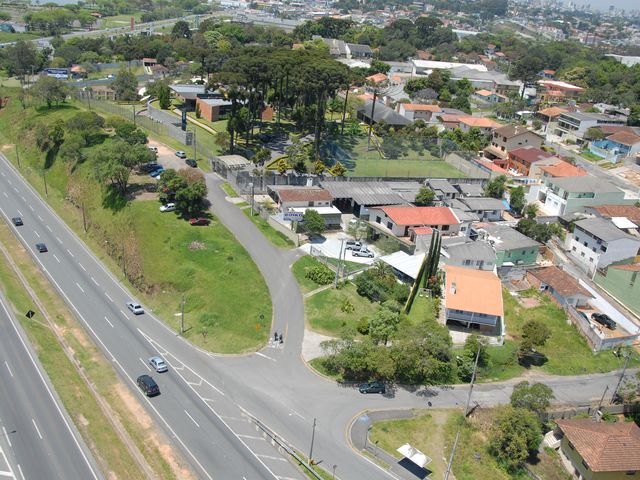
167 157
331 245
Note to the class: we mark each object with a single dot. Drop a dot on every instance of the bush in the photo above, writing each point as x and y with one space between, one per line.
346 306
320 274
363 326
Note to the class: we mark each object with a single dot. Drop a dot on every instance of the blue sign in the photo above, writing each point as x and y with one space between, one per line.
293 216
62 73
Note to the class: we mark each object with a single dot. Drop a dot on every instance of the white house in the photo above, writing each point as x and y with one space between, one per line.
417 111
597 242
400 220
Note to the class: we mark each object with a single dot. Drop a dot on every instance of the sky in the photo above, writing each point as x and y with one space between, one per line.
604 4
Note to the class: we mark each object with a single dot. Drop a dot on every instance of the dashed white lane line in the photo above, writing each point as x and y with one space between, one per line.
6 435
110 299
30 206
81 289
37 234
24 199
192 419
8 368
40 218
69 252
108 322
20 213
265 356
143 362
58 239
37 429
21 474
124 315
94 281
54 256
49 228
251 437
5 194
82 266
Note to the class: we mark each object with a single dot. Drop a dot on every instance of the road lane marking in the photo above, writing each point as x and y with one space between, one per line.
30 206
49 228
271 457
111 299
58 238
94 281
251 437
21 474
81 289
19 213
24 199
108 322
124 314
37 429
40 218
82 267
6 435
265 356
9 182
144 363
37 234
192 419
69 252
54 256
8 368
5 194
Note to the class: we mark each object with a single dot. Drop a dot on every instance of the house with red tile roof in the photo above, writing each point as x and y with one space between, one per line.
378 78
612 211
563 288
401 220
521 159
561 169
600 450
418 111
487 96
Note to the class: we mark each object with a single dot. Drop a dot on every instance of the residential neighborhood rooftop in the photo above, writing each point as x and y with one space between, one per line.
603 229
304 194
505 238
372 193
563 283
473 290
563 169
483 203
584 184
409 215
605 447
530 154
609 211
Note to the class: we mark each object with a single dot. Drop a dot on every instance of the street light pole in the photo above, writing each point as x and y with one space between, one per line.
453 451
313 436
133 108
44 179
252 194
624 369
339 262
473 379
195 148
18 156
334 471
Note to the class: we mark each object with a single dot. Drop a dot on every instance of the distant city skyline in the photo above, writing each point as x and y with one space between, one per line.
603 5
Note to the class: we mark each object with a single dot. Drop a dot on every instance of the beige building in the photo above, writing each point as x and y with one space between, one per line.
509 138
600 450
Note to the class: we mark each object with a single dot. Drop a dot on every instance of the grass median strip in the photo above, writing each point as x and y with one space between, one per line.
114 426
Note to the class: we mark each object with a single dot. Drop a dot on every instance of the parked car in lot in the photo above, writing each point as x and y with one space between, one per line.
169 207
17 221
156 173
353 245
199 221
604 319
150 167
135 308
181 154
191 162
153 149
41 247
148 385
363 252
158 364
372 387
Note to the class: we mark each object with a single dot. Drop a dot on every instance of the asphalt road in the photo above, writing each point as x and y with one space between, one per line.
33 422
205 396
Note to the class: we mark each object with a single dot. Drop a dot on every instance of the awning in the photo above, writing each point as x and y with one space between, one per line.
416 456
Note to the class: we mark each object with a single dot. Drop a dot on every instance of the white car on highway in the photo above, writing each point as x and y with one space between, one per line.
135 308
169 207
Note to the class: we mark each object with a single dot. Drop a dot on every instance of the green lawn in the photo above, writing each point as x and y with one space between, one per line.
214 280
277 238
502 364
566 350
228 189
404 168
15 36
120 20
325 315
422 310
587 155
299 269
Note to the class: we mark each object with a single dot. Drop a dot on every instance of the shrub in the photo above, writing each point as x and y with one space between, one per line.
346 306
320 274
363 326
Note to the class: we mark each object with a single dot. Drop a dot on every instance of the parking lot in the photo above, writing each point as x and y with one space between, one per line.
330 243
167 157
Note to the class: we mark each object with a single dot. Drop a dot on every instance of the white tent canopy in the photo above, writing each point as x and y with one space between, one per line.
416 456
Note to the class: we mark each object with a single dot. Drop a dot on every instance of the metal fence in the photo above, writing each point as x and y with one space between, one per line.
172 123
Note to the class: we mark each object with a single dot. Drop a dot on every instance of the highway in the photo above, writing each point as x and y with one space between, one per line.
37 439
205 397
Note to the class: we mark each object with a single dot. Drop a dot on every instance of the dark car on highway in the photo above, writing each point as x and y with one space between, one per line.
372 387
148 385
17 221
191 162
41 247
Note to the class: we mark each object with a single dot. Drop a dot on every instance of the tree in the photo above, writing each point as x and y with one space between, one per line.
383 324
49 90
357 229
127 131
88 125
496 187
594 133
514 433
531 211
534 334
535 397
338 170
125 85
181 29
313 222
516 199
425 197
164 95
191 195
633 120
114 162
223 140
71 149
261 156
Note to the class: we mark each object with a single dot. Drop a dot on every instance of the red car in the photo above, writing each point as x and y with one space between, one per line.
199 221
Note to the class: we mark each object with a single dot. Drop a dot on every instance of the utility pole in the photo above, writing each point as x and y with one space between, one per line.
624 369
373 109
344 111
18 156
195 148
602 398
313 435
84 218
453 452
182 317
473 379
252 195
133 108
339 263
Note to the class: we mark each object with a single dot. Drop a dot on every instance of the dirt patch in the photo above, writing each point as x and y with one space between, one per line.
146 196
180 471
529 302
8 146
83 421
133 406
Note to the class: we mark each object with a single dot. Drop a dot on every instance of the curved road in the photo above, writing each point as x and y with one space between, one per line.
205 397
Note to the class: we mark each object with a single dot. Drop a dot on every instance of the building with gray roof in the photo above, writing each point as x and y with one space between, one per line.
488 209
478 255
511 247
470 189
566 195
355 197
381 113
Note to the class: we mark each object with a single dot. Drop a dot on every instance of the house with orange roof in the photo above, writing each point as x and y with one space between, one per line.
486 96
600 450
521 159
485 125
418 111
510 137
473 300
557 91
377 78
561 169
400 220
550 114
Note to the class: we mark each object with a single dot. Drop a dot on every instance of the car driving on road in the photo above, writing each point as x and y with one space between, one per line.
17 221
148 385
158 364
372 387
135 308
41 247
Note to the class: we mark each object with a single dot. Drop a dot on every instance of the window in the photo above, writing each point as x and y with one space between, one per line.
574 249
582 254
603 248
310 204
591 259
378 220
445 228
389 225
584 243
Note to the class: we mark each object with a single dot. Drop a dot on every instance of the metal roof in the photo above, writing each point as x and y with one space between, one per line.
483 203
372 193
505 238
604 229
